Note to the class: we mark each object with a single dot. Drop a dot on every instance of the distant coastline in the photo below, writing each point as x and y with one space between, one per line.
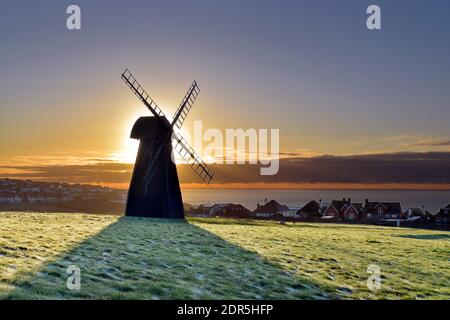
432 199
322 186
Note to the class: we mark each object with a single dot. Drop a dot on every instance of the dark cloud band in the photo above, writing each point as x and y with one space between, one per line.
431 167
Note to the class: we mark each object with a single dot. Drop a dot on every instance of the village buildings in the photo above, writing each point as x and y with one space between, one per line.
17 193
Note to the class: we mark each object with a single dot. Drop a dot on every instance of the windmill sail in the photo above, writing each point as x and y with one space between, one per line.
192 158
186 105
178 143
131 81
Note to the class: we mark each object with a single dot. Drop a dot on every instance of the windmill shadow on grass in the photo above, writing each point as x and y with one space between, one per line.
137 258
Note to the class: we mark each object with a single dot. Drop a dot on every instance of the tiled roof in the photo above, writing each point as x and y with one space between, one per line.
310 207
271 207
338 204
391 207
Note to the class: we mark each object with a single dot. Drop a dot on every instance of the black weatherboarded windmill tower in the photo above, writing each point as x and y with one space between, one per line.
155 189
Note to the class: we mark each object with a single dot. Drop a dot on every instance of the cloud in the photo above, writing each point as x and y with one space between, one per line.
406 167
431 143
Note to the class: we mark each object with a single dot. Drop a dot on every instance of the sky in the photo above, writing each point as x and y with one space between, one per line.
311 69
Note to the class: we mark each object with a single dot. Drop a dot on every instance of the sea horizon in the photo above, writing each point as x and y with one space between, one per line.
432 200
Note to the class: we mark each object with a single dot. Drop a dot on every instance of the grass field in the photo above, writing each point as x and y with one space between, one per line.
131 258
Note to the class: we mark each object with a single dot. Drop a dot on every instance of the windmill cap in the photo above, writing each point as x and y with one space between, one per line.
150 127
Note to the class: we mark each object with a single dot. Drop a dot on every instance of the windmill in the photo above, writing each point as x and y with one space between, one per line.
154 189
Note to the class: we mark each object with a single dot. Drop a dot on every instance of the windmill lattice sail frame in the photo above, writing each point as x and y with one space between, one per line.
180 144
186 104
139 91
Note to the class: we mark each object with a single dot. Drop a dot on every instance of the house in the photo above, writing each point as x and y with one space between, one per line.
414 213
416 216
334 209
352 211
200 210
217 208
311 210
291 213
379 211
66 198
344 209
230 210
6 197
270 209
42 198
442 218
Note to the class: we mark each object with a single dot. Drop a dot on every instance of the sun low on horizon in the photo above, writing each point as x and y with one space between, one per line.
128 147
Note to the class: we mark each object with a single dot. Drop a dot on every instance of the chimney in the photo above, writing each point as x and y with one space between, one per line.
350 200
257 206
366 201
343 199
